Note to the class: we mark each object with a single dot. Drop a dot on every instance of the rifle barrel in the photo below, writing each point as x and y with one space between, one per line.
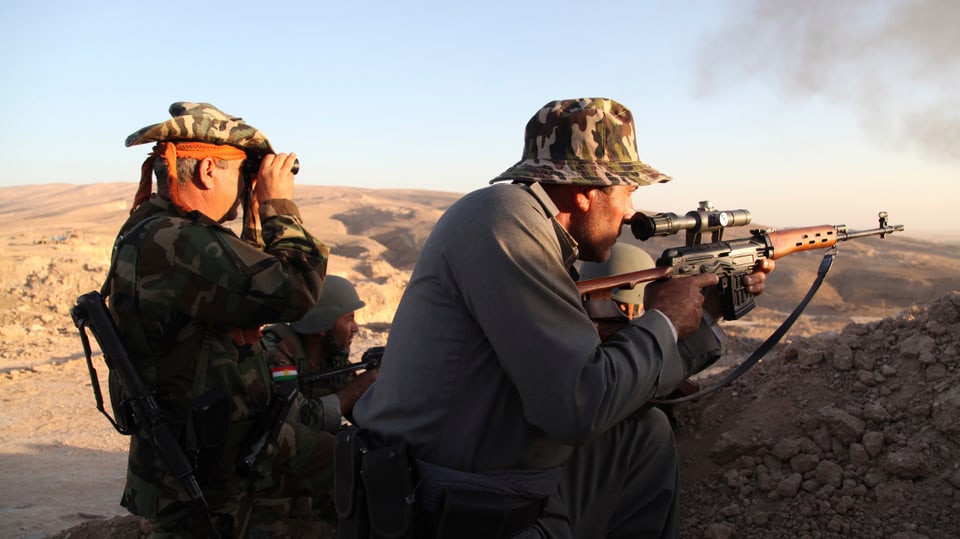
881 231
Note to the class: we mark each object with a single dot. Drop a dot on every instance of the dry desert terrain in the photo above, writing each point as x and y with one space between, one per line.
849 428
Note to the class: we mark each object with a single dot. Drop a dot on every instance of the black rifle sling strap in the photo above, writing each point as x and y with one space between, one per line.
771 341
81 324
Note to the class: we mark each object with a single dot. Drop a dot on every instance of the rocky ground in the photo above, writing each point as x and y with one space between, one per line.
849 434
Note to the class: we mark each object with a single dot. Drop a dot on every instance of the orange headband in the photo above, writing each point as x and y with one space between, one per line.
170 151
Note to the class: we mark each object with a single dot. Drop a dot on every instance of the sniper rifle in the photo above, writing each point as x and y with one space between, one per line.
730 260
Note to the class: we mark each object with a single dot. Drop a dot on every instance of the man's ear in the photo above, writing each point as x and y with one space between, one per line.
570 198
584 197
205 169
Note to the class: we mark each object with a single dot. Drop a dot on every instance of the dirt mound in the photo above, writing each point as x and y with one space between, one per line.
850 434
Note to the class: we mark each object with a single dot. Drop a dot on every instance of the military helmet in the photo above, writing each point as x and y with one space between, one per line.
339 298
624 258
585 141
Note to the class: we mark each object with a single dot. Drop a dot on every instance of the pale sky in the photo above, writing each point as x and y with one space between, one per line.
804 113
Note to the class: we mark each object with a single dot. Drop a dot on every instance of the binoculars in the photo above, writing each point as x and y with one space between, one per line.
251 167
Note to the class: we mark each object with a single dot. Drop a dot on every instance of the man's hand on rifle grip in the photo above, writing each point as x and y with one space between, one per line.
680 299
756 282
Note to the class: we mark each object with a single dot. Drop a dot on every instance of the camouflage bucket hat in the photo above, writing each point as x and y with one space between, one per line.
202 122
586 141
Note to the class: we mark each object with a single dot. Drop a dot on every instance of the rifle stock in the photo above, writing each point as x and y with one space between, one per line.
602 287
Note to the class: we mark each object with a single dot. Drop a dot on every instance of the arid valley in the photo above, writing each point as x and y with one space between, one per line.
849 428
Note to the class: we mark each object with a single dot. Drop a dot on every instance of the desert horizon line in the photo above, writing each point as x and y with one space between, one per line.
931 233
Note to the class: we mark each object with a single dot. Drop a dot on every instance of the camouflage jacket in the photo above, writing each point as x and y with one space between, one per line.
318 406
189 296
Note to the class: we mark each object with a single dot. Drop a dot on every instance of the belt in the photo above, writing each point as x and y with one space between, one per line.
480 515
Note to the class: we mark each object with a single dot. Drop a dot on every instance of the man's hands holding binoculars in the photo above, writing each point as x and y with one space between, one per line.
265 177
271 175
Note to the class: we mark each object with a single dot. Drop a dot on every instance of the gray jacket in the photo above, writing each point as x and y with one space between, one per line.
492 362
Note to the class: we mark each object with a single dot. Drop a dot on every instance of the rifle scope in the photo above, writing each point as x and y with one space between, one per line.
703 219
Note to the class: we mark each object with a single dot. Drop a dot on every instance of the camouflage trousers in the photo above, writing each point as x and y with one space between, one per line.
302 477
302 471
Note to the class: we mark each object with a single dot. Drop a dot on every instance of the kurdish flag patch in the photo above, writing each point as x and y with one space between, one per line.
283 373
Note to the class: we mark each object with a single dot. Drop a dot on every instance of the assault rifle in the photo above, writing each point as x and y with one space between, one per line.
139 409
731 259
369 360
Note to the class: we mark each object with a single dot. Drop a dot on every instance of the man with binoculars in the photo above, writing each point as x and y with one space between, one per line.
189 297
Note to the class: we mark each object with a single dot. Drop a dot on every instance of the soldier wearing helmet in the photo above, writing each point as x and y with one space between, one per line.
626 303
189 297
317 342
521 421
624 258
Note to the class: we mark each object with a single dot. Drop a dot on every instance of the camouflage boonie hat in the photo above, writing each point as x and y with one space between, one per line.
202 122
586 141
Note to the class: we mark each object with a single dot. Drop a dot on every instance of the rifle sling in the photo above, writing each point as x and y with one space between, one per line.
771 341
94 379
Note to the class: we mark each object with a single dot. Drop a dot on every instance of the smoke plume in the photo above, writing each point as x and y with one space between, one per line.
894 63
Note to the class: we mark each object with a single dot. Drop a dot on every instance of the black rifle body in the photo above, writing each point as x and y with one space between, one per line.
91 312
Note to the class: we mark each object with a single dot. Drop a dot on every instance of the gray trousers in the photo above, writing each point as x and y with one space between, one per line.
625 483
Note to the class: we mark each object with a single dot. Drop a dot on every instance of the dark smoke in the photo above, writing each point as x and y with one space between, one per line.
894 63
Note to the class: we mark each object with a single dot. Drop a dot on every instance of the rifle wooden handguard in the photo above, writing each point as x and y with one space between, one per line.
602 287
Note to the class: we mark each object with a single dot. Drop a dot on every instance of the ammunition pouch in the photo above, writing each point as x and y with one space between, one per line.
211 421
349 496
382 492
374 488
